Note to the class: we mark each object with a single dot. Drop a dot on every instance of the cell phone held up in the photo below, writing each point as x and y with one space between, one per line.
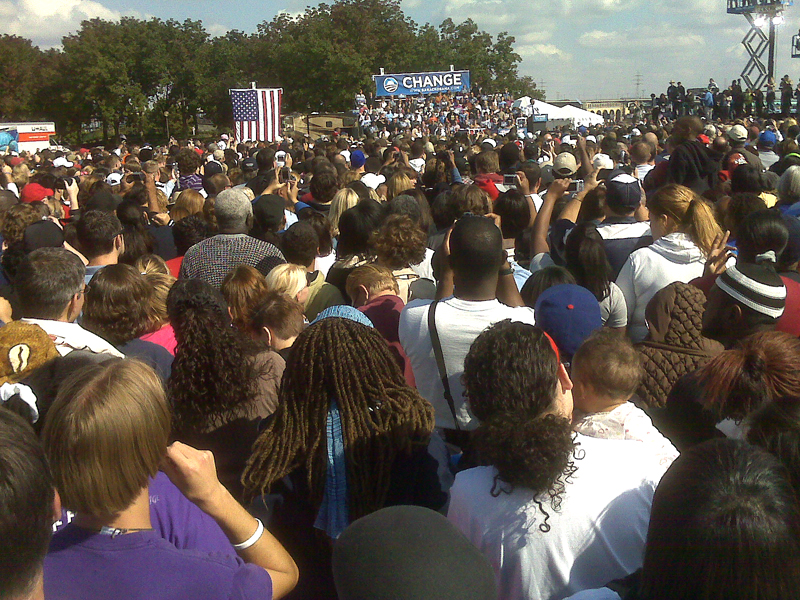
285 175
510 180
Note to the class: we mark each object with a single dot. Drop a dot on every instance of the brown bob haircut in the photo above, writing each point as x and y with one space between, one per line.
106 435
244 288
119 304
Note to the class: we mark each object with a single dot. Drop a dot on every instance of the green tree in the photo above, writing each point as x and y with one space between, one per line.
224 63
20 80
127 73
325 56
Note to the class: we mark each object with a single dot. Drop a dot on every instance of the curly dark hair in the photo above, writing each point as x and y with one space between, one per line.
188 161
189 231
399 242
324 186
213 379
510 380
16 220
118 304
382 416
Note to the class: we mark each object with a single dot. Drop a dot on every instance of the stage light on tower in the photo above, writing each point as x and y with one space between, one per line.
764 18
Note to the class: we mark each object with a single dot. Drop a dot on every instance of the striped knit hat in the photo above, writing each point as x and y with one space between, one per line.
757 287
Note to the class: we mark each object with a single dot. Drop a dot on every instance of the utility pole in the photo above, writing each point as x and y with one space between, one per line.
638 80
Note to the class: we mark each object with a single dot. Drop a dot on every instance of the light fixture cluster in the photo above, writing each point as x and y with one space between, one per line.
762 19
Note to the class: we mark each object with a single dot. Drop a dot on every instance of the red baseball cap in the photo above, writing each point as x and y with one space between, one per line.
34 192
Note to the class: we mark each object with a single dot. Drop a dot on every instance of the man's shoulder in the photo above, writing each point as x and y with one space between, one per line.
415 310
199 247
623 230
259 246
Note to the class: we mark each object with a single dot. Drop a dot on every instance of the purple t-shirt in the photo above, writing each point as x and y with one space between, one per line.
177 520
142 565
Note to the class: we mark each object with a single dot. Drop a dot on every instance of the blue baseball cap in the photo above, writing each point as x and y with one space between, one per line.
569 314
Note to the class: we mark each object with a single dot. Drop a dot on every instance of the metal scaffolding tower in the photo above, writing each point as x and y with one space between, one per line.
759 14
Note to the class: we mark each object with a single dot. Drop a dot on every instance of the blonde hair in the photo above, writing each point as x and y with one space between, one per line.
20 174
188 203
374 278
397 184
151 263
688 212
348 177
106 435
287 279
345 198
161 283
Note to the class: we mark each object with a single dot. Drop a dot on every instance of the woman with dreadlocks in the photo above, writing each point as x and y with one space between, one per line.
555 512
222 384
349 437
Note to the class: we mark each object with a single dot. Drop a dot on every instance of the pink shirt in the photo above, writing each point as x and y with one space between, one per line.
163 337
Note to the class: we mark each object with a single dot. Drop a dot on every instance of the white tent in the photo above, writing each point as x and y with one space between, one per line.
582 117
557 115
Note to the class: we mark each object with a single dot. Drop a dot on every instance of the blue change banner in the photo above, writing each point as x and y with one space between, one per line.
413 84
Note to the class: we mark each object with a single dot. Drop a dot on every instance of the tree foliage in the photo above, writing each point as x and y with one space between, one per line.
128 74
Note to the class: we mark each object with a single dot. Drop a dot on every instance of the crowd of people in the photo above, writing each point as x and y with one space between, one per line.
737 101
436 363
441 115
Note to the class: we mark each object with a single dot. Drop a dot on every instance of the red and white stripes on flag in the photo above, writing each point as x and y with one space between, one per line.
257 114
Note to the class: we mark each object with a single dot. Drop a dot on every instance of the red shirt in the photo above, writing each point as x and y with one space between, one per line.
384 312
790 321
175 265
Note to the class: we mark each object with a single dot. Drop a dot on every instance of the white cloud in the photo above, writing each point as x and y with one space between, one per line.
535 37
580 48
215 29
666 40
45 22
538 51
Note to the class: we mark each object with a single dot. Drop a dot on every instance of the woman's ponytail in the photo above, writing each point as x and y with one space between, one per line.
700 224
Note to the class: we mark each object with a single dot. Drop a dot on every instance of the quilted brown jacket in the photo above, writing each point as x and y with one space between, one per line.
674 345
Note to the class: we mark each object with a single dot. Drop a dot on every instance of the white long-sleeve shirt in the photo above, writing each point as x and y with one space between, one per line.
674 257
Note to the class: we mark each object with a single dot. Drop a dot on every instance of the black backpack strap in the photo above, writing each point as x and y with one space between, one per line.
437 353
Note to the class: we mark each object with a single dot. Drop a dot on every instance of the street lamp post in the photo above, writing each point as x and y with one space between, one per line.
166 119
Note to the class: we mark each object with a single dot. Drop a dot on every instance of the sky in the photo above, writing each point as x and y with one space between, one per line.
574 49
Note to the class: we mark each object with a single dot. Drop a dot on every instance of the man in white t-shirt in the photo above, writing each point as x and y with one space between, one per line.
476 265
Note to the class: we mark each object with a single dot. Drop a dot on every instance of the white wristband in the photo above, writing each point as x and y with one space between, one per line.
253 538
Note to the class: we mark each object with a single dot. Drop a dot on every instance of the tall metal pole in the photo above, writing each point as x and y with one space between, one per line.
771 59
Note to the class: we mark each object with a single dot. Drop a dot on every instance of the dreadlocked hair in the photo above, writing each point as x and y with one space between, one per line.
213 376
382 416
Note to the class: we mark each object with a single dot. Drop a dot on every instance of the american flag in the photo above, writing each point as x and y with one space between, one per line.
257 114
